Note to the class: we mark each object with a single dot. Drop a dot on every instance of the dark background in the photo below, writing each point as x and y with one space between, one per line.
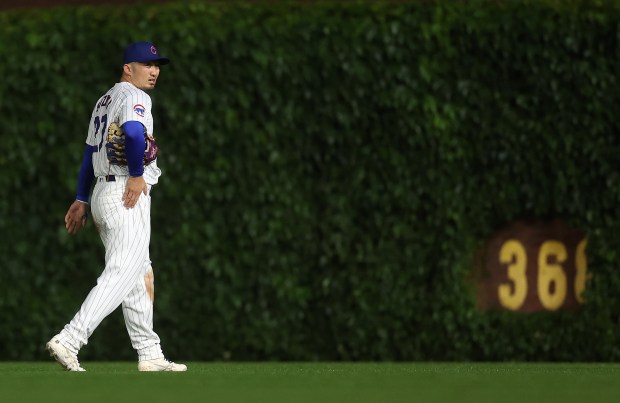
331 171
8 4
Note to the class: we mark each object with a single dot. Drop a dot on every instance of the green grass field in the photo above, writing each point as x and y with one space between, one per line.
314 382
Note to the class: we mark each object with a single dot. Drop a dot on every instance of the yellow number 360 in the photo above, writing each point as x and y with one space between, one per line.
551 279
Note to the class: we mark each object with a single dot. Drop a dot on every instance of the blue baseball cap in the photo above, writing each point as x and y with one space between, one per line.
143 52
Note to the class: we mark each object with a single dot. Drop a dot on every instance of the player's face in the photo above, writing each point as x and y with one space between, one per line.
144 75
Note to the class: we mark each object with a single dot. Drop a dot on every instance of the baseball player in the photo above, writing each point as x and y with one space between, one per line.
121 157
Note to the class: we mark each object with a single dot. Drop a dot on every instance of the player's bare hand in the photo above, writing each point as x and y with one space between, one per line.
134 187
76 217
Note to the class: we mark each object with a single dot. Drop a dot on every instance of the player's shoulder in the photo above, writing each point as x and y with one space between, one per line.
131 92
131 89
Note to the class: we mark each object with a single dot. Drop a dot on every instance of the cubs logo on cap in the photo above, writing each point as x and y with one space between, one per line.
143 52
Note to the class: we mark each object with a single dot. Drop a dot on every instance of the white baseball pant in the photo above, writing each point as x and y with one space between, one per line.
125 233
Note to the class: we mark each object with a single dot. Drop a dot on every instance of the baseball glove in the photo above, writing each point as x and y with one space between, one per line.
150 149
115 146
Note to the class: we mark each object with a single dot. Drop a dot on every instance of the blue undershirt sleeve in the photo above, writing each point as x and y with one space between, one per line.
134 147
87 174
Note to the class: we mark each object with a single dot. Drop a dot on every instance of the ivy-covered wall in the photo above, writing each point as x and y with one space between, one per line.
330 170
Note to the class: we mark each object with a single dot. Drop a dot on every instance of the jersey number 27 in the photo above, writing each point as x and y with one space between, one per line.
100 124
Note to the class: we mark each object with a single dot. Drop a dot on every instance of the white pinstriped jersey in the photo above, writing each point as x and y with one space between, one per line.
122 103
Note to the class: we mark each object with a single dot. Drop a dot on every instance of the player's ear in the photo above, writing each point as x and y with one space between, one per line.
127 69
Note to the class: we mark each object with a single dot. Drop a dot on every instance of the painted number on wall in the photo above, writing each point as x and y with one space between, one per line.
552 286
536 267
